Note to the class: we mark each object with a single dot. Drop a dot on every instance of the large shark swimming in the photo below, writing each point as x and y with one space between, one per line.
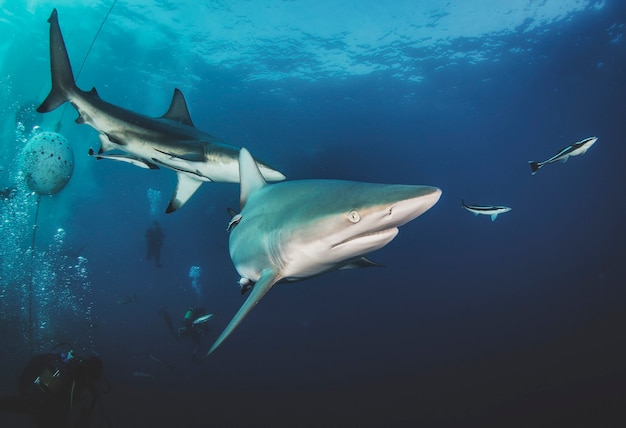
170 141
295 230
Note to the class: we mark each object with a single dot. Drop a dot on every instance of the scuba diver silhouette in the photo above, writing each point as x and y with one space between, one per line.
192 325
154 241
57 390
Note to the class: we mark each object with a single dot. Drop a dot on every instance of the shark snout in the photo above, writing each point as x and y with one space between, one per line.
409 208
431 198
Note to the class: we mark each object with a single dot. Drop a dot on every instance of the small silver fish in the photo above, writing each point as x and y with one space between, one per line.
202 319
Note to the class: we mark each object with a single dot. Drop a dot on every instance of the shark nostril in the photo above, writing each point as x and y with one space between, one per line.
354 217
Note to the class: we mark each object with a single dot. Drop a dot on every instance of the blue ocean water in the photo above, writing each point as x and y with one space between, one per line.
515 322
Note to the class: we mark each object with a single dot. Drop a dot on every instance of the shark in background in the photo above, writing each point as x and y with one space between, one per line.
170 141
299 229
563 155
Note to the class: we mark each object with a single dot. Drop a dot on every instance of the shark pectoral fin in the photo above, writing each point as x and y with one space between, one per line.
266 281
493 217
141 163
185 188
564 159
361 262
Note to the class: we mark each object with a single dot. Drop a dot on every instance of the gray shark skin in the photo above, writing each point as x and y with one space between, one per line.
299 229
576 149
170 141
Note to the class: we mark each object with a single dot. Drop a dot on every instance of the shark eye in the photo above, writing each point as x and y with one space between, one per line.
354 217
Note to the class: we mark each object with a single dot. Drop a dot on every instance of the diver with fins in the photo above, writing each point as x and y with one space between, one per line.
193 325
58 390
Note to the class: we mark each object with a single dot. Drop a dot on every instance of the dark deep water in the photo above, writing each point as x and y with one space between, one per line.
517 322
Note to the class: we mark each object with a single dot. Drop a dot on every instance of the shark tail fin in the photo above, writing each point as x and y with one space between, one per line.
534 166
249 175
60 68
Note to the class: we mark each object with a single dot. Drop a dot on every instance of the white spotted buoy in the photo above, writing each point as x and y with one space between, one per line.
47 163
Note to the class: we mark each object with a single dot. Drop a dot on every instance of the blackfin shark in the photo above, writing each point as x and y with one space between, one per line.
491 210
575 149
170 141
295 230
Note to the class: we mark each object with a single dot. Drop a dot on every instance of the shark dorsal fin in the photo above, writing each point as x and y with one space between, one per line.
178 109
249 175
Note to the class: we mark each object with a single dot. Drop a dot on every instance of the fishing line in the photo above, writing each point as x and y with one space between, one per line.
32 279
57 127
94 39
80 70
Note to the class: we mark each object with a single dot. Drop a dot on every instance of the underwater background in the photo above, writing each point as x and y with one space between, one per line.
516 322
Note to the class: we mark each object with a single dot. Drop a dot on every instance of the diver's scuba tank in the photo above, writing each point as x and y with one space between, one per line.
54 378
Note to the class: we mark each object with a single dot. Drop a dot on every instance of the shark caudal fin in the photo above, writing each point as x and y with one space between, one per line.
534 166
60 68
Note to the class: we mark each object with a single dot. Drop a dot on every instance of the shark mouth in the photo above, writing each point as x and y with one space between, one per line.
370 241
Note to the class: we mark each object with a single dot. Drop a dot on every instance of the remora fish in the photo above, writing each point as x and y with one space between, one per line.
575 149
142 374
490 210
170 141
298 229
